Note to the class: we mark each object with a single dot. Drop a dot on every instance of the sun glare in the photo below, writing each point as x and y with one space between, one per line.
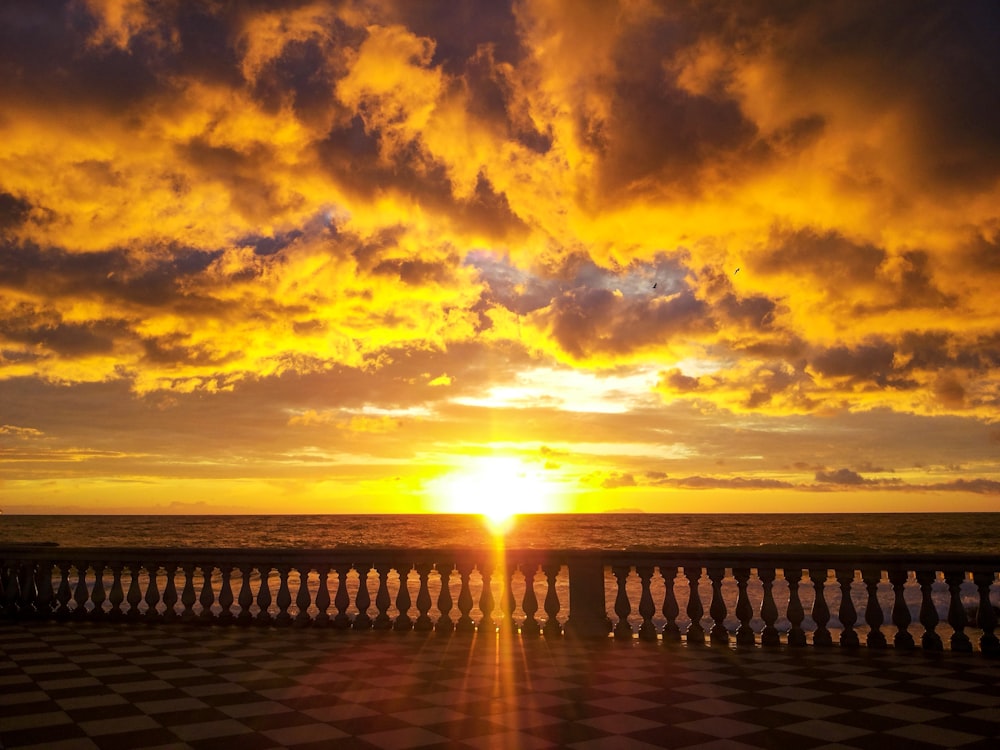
498 488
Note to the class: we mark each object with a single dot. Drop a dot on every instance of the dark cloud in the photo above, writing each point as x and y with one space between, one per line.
739 483
13 211
983 253
866 363
841 476
461 29
950 392
659 135
63 338
306 72
418 272
492 98
618 479
979 486
352 155
840 264
589 321
111 274
677 381
933 62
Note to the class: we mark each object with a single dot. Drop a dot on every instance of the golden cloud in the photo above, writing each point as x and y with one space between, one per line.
195 198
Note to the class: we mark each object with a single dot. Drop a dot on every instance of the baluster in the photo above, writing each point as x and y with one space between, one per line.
847 614
529 603
43 584
152 593
98 596
284 598
134 593
225 596
744 610
342 601
900 612
769 636
245 598
930 640
960 642
117 595
796 636
820 611
873 609
5 584
647 631
170 593
64 595
4 588
26 585
465 623
302 598
187 593
671 633
507 604
486 603
15 582
695 632
322 618
717 609
552 628
12 591
362 621
423 622
623 608
986 618
444 623
264 597
403 600
382 600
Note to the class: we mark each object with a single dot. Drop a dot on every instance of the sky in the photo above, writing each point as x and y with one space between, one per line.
485 256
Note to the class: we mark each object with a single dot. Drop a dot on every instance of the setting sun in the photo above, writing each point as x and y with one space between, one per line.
496 487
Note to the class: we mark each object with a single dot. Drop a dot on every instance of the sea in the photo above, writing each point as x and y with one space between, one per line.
911 533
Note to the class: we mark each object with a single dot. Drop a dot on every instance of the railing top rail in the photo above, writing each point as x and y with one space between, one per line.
361 555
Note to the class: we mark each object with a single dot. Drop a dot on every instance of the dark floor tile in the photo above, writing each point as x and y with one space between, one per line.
242 742
132 740
194 716
103 713
891 742
565 733
341 743
368 724
40 735
276 721
776 739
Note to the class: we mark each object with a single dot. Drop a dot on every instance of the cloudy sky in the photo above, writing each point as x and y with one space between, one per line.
393 255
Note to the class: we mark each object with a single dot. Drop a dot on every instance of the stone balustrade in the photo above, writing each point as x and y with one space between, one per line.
694 597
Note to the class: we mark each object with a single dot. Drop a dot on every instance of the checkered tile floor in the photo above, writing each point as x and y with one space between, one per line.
110 686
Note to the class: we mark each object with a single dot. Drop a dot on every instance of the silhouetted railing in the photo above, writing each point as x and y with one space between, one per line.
752 599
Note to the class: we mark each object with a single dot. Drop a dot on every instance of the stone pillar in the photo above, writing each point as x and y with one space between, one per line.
588 616
986 619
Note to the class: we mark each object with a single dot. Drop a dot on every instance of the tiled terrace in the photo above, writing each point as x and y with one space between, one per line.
106 685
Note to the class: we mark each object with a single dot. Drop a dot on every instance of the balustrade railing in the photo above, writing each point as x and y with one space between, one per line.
752 599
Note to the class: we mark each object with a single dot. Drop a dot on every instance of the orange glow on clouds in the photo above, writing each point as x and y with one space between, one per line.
323 255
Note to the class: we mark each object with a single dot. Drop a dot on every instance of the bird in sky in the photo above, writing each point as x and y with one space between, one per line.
654 286
736 271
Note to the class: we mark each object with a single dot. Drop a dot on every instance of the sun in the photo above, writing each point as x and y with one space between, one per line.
496 487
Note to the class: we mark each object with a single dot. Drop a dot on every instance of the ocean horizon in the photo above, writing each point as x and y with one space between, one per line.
912 533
